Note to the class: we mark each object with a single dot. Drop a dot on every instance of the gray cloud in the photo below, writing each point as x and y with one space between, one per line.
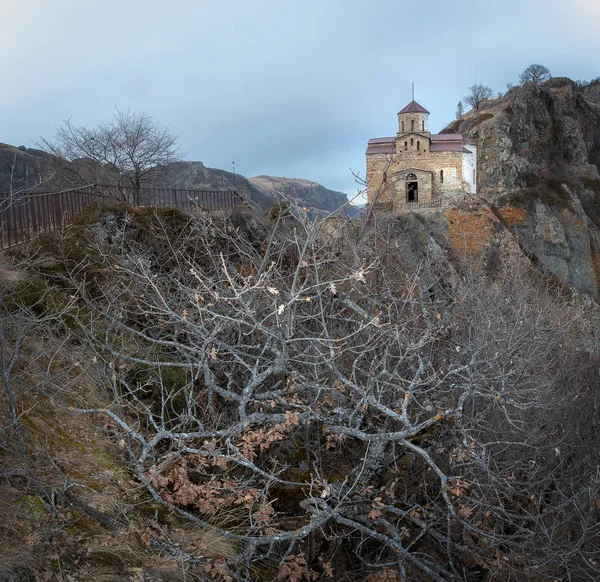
281 87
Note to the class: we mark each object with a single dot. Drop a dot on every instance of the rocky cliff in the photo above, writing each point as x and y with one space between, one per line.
22 168
535 133
538 158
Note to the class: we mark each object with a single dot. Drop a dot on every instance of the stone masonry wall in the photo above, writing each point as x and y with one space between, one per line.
449 162
418 118
415 142
397 181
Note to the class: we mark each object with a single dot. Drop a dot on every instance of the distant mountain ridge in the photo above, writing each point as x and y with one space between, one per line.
23 168
196 176
309 193
262 190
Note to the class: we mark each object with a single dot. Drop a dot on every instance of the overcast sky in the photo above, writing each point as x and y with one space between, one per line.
287 88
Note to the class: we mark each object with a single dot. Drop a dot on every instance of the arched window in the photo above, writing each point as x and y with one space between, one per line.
403 127
405 144
418 145
442 176
412 125
411 177
412 142
423 125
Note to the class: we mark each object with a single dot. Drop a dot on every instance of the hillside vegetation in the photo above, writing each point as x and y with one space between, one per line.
221 398
238 397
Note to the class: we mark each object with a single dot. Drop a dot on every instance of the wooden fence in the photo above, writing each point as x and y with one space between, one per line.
23 216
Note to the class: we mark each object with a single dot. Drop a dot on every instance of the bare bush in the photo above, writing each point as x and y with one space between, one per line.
289 394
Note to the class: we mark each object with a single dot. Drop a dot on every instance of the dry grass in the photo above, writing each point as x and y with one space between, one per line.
17 565
205 543
11 277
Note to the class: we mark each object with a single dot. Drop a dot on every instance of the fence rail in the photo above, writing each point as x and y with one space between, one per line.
435 203
443 202
176 198
25 215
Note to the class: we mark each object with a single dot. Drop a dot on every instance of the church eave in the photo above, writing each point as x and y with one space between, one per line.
424 135
413 107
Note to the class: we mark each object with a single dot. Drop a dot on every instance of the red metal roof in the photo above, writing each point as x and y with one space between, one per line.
383 148
413 107
446 137
446 147
382 139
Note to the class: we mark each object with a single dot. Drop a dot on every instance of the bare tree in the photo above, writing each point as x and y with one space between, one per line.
478 93
460 110
132 147
534 74
293 395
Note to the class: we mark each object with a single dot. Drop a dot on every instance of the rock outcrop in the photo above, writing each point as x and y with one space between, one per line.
22 168
535 133
538 159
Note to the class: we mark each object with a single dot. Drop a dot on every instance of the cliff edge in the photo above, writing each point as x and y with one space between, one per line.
538 159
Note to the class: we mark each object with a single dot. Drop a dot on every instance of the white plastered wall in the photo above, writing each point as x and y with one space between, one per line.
469 169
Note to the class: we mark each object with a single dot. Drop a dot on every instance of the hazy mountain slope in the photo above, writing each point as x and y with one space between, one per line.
309 193
24 168
262 190
21 167
196 176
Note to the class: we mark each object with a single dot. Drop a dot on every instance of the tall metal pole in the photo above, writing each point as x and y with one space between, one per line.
413 91
234 179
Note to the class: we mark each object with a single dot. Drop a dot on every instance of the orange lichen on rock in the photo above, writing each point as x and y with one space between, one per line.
512 215
469 232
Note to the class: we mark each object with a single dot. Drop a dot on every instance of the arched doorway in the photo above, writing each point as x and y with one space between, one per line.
412 188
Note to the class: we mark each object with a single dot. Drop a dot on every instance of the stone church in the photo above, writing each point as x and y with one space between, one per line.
417 166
